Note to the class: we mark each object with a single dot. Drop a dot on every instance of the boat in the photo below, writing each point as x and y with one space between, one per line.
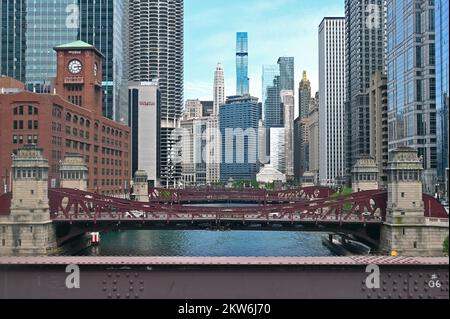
345 246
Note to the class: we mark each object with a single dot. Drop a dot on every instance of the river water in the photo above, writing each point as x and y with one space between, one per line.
208 243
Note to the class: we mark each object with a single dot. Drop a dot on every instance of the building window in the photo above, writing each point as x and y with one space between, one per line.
3 242
21 125
20 109
30 110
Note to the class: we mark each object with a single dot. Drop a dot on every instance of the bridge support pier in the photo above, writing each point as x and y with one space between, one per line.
406 230
28 230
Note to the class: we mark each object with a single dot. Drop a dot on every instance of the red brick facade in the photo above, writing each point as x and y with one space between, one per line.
59 126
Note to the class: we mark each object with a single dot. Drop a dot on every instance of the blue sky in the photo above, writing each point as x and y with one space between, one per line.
276 28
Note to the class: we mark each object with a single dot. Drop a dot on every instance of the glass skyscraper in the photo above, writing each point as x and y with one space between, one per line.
31 29
269 72
242 80
442 85
411 82
286 65
365 43
239 121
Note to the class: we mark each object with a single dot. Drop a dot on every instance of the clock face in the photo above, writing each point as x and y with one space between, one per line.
95 69
75 66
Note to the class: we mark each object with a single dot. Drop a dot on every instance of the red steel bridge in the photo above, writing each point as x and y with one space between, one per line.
309 209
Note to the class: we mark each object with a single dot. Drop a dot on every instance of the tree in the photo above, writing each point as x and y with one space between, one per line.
446 246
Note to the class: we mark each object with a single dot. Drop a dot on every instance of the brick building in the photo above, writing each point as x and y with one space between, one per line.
68 121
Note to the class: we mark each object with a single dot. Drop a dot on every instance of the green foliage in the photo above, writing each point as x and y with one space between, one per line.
344 191
446 246
245 184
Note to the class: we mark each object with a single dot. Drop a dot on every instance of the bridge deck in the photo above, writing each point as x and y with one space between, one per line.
254 261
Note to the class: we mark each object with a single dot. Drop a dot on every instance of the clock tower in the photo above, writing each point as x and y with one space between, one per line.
79 75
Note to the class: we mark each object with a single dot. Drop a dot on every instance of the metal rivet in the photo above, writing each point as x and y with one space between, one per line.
109 296
141 289
131 288
104 289
118 295
114 288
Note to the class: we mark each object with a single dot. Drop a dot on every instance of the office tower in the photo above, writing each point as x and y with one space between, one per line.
156 52
242 80
365 54
239 122
219 88
30 30
213 138
144 123
269 72
442 90
273 112
286 65
208 107
412 82
379 125
331 100
287 100
297 153
278 148
193 167
313 135
304 100
193 109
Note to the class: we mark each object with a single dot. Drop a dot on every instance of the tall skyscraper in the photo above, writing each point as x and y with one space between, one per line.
143 113
286 65
156 52
287 100
412 81
379 149
269 72
442 88
304 100
331 100
219 88
30 30
273 116
365 54
239 124
242 80
213 146
313 135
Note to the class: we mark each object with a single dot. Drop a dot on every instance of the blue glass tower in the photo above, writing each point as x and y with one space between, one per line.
242 80
269 72
239 119
442 84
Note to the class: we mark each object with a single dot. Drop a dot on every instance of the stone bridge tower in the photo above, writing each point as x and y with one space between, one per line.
28 230
140 186
74 172
406 230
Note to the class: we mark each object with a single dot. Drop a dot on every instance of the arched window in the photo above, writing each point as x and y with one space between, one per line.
88 123
81 121
75 119
68 117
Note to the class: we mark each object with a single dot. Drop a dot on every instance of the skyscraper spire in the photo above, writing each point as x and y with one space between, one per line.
219 89
305 78
242 80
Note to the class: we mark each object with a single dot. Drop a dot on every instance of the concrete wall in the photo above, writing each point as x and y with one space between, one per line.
411 240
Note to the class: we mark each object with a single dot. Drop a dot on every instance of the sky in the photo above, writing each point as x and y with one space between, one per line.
275 28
